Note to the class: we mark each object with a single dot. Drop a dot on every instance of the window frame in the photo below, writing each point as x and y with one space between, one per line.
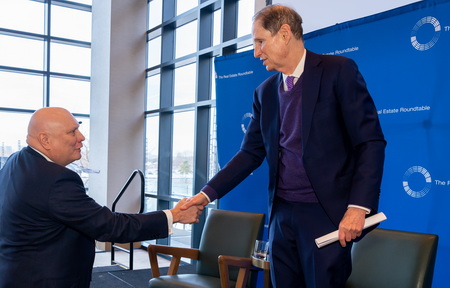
205 158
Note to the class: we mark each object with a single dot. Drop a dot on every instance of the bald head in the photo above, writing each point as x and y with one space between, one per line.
54 132
47 119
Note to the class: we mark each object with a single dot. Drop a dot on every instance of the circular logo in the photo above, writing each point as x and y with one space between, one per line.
421 28
245 120
417 181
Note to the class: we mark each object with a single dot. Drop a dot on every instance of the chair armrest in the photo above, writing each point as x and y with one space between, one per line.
175 252
244 264
260 263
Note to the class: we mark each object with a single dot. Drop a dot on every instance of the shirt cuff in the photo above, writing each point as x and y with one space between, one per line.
360 207
210 193
207 197
169 221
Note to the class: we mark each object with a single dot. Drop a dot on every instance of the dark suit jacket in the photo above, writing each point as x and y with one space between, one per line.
343 144
48 225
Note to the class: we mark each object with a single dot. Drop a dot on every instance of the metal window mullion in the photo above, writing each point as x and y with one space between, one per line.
205 28
229 19
164 164
200 163
47 32
169 10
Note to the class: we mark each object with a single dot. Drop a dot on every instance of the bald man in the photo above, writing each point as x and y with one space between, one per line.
48 223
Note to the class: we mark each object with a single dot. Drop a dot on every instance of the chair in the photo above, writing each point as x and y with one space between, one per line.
225 233
392 259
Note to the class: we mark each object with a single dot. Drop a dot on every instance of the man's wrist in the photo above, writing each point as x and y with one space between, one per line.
360 207
169 221
210 193
206 196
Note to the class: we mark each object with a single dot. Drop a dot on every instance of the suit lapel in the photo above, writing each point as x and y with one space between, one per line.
270 122
274 110
311 86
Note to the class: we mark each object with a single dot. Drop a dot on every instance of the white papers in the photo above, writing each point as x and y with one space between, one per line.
333 236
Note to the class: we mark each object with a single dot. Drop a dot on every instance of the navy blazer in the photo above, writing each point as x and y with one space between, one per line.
343 144
48 225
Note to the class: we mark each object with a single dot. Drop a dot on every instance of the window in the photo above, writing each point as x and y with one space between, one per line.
20 91
12 140
185 5
44 61
71 23
153 91
151 156
186 39
20 52
185 79
182 154
154 52
155 13
183 39
22 15
70 59
245 14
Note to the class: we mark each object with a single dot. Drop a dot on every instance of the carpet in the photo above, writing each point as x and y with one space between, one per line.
117 277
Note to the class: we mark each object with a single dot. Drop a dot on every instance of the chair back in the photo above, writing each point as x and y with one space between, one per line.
390 258
229 233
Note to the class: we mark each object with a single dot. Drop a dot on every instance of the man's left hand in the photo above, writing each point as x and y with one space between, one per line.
351 225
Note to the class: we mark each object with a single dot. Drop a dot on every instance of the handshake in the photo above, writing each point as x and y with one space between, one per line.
188 210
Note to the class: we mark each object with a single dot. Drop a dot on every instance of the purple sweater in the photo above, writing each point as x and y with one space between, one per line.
293 183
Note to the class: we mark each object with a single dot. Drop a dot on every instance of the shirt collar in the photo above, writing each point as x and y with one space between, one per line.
299 69
43 155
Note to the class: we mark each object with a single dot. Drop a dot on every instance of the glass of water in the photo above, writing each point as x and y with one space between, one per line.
261 250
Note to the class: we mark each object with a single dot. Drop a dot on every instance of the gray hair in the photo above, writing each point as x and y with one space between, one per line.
272 17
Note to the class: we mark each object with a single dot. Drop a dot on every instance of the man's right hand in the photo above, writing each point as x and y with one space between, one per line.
197 200
187 215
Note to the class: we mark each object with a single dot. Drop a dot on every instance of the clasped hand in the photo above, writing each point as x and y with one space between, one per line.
187 215
190 209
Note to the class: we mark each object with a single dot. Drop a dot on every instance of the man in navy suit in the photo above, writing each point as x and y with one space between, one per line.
316 124
48 223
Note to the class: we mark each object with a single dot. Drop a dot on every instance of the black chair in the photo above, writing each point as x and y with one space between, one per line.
228 233
393 259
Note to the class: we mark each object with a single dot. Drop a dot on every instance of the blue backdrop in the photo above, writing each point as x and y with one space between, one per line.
237 75
403 55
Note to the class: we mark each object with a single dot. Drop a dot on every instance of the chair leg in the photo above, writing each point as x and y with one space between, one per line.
224 276
174 264
266 278
241 281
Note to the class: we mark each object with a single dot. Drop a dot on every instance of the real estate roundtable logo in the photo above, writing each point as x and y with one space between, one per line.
417 181
425 33
245 121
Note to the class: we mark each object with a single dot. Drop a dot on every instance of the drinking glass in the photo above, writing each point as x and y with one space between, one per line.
261 249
